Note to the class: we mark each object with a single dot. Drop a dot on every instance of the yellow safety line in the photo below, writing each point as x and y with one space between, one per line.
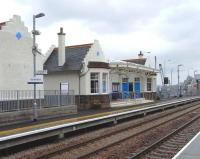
63 121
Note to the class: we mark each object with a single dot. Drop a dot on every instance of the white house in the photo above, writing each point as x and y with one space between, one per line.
16 58
81 68
85 70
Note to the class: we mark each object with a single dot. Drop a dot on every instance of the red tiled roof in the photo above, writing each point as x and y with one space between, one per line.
2 24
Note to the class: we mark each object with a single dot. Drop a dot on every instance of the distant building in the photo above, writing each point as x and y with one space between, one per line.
16 58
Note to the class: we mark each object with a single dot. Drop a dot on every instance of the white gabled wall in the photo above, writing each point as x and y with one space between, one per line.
95 53
16 58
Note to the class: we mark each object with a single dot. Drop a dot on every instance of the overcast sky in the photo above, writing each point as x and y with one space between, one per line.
169 29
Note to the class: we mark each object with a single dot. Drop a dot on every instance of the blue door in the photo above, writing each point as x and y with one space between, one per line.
137 89
125 89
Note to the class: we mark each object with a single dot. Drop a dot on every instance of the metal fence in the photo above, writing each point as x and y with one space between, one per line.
15 100
123 95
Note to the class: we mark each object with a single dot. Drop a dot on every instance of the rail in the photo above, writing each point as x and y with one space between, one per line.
149 148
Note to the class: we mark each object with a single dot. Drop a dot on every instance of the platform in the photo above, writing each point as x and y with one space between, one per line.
15 129
130 102
71 118
190 150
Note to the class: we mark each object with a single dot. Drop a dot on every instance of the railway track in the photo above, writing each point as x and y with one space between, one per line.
169 145
88 148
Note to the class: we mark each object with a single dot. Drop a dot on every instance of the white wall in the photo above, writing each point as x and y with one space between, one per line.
16 59
52 81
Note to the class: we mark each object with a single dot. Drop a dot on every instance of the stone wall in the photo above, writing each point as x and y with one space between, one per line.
15 117
149 95
85 102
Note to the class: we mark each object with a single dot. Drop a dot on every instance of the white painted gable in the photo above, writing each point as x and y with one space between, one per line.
95 53
16 58
15 25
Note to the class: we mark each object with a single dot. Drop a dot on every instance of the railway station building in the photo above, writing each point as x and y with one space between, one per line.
96 81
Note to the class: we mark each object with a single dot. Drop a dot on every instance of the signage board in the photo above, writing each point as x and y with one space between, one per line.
35 80
64 87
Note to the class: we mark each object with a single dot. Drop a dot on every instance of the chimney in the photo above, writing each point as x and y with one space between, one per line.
140 55
61 47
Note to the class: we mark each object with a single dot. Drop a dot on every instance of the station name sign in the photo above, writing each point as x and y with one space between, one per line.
35 80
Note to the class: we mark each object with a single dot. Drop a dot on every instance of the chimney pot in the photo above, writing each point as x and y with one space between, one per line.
61 29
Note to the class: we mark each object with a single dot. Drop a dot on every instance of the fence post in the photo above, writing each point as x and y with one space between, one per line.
18 100
59 97
40 99
74 98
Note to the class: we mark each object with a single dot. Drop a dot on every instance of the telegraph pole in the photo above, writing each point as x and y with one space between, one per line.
178 69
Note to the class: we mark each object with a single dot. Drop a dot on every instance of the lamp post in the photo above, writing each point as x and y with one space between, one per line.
34 51
197 81
178 69
171 76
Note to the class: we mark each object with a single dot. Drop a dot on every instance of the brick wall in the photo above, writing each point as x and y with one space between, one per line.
85 102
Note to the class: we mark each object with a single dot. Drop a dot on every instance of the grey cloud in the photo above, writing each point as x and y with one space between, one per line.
181 24
104 16
176 22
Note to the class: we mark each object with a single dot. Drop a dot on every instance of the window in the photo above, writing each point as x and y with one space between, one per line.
137 79
149 84
115 87
94 78
104 82
130 87
124 79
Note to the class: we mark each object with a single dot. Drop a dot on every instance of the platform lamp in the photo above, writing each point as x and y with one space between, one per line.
35 51
178 69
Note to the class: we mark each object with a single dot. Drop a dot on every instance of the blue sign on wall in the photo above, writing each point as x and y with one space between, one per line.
18 35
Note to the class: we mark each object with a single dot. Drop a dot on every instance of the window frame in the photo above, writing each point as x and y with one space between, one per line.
106 82
149 84
96 81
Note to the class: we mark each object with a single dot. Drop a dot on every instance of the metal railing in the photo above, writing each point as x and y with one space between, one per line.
123 95
16 100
